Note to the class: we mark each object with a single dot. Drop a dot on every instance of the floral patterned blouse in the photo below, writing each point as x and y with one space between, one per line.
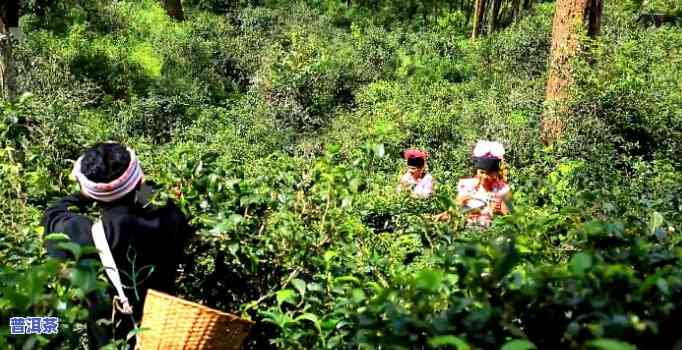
473 188
422 188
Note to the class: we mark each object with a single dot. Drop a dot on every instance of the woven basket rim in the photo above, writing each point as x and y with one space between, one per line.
197 305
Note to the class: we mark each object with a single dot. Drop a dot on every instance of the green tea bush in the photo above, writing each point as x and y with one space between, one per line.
53 289
304 81
277 128
523 48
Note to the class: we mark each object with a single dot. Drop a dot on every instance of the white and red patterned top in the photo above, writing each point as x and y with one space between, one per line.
421 188
472 187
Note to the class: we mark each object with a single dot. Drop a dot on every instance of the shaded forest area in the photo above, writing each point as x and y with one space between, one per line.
277 126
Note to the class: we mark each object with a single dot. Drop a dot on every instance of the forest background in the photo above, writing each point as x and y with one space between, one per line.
277 127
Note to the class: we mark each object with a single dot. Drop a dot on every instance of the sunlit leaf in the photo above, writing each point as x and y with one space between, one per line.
72 247
610 344
285 296
429 280
518 344
448 341
299 285
312 318
655 222
580 263
57 237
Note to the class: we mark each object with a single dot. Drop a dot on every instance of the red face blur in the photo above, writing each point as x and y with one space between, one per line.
487 177
416 172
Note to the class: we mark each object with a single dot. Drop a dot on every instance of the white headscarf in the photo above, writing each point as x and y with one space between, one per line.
116 189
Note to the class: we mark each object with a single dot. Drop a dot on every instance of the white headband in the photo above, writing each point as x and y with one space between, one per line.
116 189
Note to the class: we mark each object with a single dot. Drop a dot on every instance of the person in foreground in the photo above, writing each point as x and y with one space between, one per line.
145 241
416 180
486 194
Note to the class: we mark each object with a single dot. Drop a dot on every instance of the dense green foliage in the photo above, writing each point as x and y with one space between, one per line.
277 127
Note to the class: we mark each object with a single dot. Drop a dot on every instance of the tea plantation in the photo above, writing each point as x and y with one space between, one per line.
277 127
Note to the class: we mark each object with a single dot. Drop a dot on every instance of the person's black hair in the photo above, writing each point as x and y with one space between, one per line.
105 162
415 161
489 164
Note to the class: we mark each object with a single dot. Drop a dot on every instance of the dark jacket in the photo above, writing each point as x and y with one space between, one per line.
145 240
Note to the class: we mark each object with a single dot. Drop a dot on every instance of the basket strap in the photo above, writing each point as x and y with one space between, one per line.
110 268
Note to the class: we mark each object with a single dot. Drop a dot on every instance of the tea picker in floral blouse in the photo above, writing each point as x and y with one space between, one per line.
487 193
416 180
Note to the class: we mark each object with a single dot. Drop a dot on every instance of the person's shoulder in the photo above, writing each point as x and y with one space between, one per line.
77 228
168 209
176 215
169 218
176 221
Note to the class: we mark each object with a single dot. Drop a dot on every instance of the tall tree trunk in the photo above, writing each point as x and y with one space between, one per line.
515 10
43 6
174 9
528 5
494 15
9 18
571 17
479 15
469 10
594 17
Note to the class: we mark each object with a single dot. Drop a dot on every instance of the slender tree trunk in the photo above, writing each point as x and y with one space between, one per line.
469 11
571 17
174 9
43 6
528 5
594 15
9 18
515 10
479 15
494 15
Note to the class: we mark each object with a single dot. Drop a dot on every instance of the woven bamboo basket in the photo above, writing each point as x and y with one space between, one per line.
173 323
